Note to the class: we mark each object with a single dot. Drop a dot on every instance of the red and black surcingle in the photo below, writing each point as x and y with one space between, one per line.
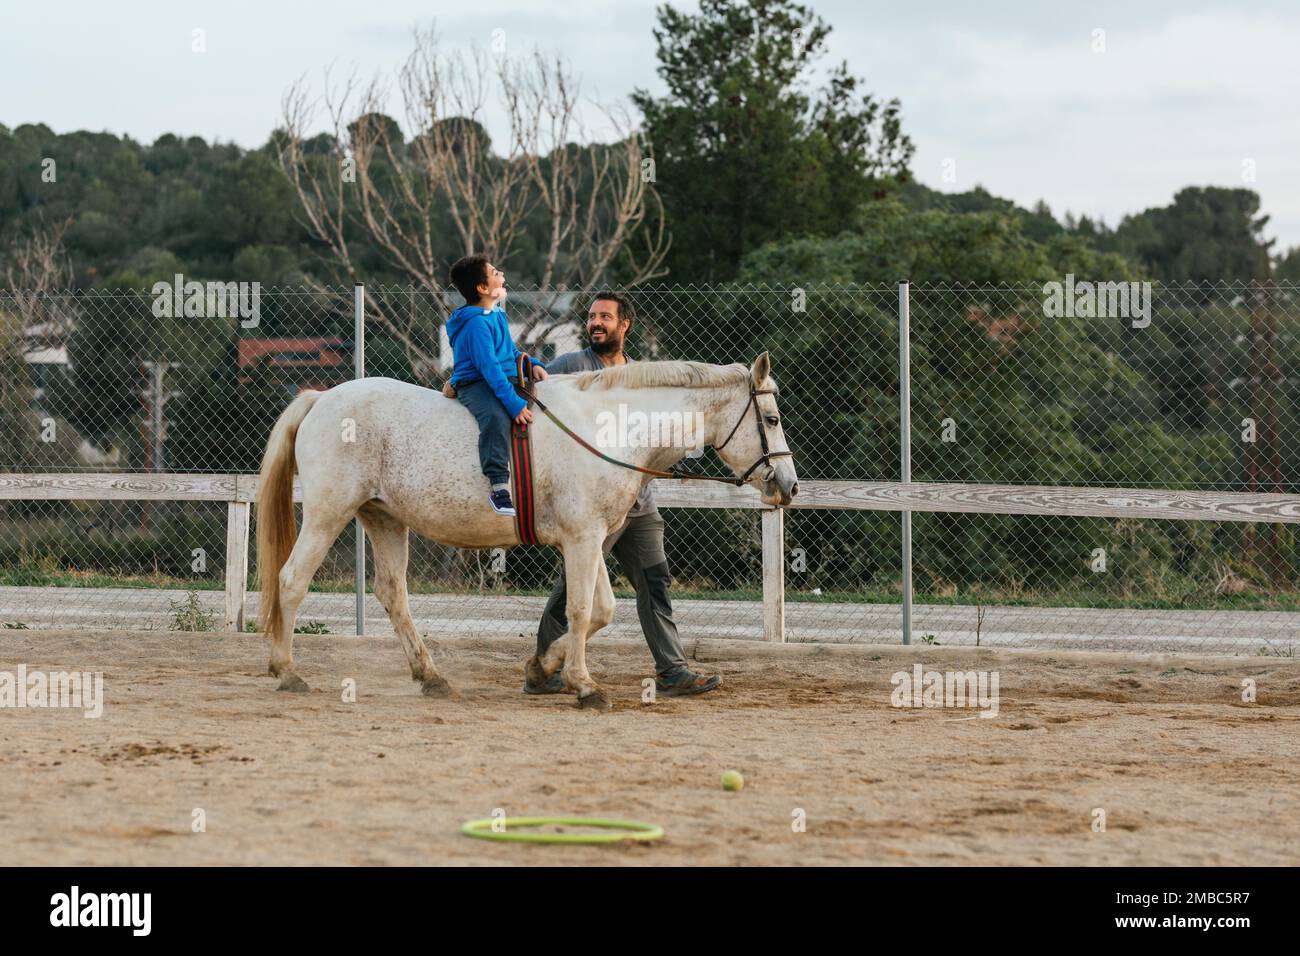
521 460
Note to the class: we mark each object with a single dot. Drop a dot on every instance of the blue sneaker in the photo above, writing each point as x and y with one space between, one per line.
501 502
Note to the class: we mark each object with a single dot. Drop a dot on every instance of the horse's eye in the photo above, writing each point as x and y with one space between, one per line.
773 420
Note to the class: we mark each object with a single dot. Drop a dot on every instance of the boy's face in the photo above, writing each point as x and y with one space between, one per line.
604 328
496 279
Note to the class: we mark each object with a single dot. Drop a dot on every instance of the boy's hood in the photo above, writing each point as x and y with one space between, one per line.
461 316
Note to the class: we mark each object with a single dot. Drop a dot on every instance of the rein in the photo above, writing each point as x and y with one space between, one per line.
765 459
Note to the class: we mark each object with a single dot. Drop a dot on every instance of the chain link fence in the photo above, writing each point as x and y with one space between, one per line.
1077 384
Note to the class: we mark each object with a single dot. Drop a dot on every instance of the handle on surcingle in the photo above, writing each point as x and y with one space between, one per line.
524 374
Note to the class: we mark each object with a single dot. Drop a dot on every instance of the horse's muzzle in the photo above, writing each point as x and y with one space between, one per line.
780 490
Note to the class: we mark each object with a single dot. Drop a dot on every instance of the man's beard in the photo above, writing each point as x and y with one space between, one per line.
610 346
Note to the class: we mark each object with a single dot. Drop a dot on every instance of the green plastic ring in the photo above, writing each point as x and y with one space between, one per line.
629 830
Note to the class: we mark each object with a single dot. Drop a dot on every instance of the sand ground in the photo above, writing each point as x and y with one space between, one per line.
1184 770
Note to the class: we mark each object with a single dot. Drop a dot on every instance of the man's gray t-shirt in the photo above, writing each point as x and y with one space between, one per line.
588 361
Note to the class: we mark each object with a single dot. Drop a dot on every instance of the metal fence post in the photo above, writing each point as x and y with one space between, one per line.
359 371
905 442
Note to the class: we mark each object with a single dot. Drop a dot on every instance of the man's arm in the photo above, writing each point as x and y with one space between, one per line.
564 364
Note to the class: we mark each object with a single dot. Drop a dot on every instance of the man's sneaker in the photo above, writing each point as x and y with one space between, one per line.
501 502
685 682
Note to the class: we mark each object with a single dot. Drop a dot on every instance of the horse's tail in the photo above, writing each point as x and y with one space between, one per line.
276 531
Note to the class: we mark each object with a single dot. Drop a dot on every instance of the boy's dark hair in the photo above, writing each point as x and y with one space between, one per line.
466 275
625 309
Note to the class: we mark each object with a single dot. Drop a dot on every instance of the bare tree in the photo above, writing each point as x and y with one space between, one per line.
413 206
37 279
35 312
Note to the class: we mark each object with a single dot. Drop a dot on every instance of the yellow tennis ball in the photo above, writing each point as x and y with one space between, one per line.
732 780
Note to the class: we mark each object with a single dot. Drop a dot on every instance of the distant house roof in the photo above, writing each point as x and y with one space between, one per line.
42 329
1004 329
47 356
287 353
46 343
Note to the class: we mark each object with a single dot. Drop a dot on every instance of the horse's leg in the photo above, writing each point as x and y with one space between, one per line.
388 540
602 609
539 669
319 529
582 563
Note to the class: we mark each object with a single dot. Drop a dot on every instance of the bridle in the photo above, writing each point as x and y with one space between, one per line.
768 454
764 459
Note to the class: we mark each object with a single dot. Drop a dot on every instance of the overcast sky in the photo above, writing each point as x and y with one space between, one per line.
1014 93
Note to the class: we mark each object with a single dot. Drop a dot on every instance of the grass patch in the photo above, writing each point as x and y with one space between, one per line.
189 615
1272 650
310 627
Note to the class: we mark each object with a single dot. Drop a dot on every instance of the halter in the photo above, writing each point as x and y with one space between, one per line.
768 455
764 459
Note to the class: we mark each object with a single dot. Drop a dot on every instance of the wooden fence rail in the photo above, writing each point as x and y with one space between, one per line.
239 491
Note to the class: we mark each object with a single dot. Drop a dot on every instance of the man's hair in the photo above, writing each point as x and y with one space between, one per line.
466 275
625 309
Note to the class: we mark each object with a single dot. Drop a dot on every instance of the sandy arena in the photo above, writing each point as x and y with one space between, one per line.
1185 771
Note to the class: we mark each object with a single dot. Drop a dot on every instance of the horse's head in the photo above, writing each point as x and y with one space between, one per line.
755 448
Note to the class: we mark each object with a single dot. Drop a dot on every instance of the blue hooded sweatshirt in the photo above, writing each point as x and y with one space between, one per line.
480 340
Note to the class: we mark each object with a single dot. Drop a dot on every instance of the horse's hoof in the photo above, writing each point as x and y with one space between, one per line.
596 700
293 683
436 687
533 672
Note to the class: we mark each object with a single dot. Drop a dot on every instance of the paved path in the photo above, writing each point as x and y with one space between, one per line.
473 615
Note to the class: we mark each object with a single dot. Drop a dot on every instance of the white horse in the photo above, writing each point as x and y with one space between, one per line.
401 456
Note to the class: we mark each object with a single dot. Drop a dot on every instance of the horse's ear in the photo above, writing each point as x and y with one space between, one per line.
761 370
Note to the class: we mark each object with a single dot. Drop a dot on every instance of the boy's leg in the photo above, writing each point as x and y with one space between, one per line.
493 430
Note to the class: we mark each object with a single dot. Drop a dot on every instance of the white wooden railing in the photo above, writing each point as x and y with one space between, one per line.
239 491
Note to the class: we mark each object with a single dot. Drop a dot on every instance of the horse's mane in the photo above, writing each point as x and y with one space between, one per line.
663 374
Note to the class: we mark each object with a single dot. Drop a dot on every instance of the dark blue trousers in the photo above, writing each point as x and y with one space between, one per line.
493 429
